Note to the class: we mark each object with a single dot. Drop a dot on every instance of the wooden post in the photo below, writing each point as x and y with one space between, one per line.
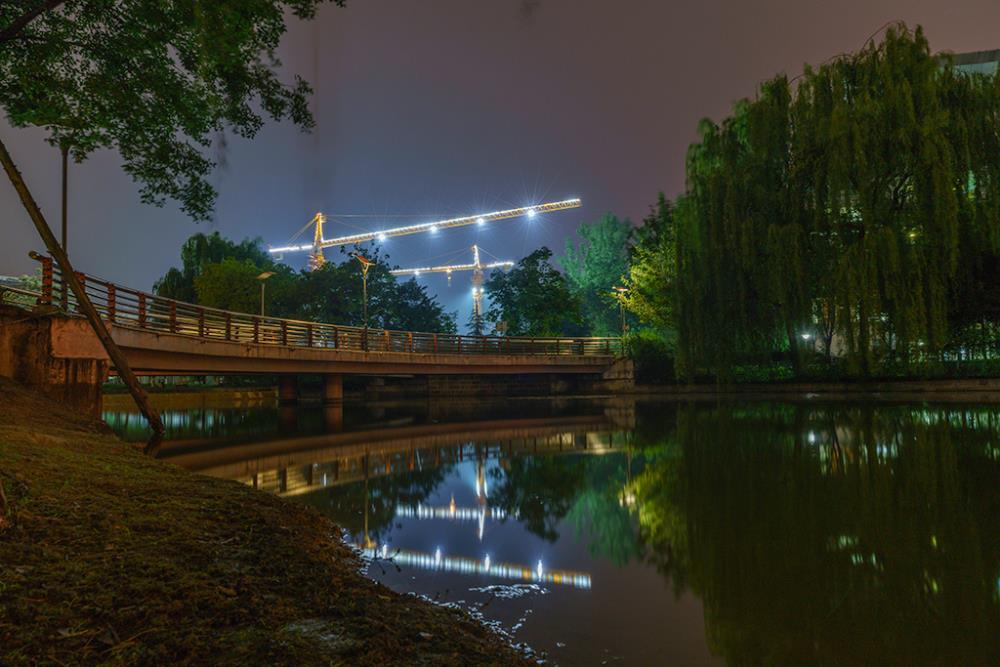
46 298
52 245
336 338
435 343
173 317
111 303
309 335
284 332
201 323
229 326
142 310
256 329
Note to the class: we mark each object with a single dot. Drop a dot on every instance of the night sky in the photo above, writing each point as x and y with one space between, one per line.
452 107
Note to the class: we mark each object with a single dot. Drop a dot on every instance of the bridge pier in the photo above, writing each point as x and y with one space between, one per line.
288 389
333 388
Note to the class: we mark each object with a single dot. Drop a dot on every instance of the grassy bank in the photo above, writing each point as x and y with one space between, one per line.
111 557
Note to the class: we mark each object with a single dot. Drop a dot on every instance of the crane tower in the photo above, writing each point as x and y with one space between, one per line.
478 275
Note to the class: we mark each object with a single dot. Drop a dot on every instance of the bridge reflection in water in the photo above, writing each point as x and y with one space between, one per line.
302 464
462 565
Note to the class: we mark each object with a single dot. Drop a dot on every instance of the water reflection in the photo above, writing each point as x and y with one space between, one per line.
657 533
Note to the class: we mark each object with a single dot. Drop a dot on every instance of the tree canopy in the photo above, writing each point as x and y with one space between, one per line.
220 273
854 204
596 262
533 298
155 81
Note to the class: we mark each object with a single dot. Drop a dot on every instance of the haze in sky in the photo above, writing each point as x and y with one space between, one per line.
451 107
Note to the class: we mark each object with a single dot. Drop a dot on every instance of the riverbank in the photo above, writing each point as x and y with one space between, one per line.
963 389
112 557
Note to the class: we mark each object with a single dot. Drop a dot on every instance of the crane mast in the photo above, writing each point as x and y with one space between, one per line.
478 275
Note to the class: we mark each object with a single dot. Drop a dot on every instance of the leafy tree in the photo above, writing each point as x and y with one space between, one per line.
201 250
220 273
653 268
841 206
154 81
533 298
595 263
230 285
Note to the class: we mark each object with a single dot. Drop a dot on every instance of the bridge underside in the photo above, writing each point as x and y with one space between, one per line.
67 361
166 354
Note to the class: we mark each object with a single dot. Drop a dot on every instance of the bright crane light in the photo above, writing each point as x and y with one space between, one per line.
319 243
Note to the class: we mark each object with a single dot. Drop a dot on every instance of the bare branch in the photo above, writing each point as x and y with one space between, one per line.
20 23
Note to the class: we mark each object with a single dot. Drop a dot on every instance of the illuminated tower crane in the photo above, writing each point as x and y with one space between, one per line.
477 268
315 249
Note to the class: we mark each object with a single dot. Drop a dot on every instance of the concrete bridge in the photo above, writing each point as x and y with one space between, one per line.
53 348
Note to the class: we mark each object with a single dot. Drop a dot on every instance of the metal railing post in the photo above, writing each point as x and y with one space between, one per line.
46 297
142 310
112 305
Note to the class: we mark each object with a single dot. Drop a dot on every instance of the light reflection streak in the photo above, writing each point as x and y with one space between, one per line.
463 565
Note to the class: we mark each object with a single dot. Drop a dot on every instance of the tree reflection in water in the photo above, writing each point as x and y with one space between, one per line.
814 534
833 535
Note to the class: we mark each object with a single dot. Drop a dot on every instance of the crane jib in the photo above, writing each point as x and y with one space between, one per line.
430 226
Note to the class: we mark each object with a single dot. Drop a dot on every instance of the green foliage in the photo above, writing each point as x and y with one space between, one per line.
219 273
653 356
201 250
856 205
31 283
594 264
533 298
154 81
230 284
653 268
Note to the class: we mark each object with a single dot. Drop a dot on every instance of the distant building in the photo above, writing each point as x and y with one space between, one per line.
981 62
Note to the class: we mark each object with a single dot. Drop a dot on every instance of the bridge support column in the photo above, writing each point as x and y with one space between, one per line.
288 389
333 417
333 389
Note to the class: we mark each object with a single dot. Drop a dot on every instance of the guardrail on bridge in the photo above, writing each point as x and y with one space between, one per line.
132 308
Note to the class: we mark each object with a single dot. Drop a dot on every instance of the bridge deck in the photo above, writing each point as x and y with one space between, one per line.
162 335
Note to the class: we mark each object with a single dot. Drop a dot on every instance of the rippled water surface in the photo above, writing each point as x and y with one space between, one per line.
610 532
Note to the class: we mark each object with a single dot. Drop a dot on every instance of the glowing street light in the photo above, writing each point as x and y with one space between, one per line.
263 278
365 265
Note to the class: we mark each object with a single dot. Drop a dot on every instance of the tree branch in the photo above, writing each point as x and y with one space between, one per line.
20 23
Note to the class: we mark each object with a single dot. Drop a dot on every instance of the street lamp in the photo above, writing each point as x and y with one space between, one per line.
262 278
365 265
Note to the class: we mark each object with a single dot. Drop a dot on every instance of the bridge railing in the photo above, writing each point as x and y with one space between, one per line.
132 308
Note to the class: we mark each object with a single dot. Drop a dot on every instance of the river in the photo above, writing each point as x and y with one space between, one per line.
653 533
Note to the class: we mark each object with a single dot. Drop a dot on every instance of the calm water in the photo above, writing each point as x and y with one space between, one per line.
655 533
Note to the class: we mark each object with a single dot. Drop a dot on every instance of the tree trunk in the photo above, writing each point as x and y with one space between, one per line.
69 275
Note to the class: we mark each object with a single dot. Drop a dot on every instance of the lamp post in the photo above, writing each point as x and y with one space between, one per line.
262 278
365 265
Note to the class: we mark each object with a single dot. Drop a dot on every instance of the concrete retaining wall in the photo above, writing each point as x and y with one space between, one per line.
29 343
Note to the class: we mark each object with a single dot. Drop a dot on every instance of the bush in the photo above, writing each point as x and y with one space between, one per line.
653 357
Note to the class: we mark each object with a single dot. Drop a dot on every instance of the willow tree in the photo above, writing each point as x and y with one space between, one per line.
840 205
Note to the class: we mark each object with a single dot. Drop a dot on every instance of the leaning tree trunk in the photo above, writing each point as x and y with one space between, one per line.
69 275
